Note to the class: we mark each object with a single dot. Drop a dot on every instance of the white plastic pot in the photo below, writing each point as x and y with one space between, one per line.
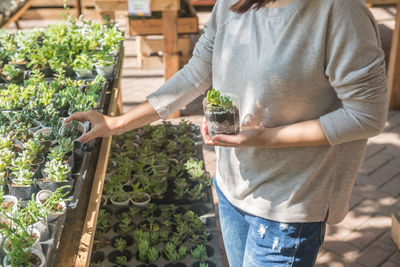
36 245
13 199
142 204
33 251
43 195
81 128
83 73
124 203
105 71
36 126
45 131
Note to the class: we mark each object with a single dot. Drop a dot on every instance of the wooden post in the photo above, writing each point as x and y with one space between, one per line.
171 55
394 66
79 6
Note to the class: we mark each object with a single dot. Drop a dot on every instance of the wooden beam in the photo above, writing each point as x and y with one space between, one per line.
89 230
146 47
155 26
121 5
171 52
394 66
80 226
18 14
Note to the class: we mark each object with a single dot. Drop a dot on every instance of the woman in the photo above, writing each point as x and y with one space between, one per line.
311 79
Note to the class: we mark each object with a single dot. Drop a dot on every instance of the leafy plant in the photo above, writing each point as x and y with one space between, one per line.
10 72
23 177
173 254
56 171
121 260
195 169
196 192
120 244
181 187
199 253
125 225
52 203
103 222
215 99
82 61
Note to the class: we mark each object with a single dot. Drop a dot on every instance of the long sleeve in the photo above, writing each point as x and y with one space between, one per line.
193 79
355 68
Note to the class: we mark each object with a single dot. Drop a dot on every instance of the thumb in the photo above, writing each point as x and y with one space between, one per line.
226 138
78 116
87 137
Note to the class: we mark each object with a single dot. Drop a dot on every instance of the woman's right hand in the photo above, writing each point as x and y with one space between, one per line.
102 125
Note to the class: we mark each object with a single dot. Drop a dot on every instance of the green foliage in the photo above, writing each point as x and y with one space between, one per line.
173 254
121 260
56 197
215 99
120 244
11 72
147 254
199 253
56 171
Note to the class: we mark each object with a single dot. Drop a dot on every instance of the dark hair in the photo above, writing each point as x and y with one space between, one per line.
243 5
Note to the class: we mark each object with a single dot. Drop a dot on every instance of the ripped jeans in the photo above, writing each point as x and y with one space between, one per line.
251 241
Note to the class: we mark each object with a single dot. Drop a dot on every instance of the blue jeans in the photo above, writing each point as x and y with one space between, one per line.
251 241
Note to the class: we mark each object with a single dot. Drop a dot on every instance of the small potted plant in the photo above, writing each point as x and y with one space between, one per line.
8 204
22 185
20 257
138 197
12 74
83 66
119 197
104 64
55 202
221 113
195 169
73 130
55 174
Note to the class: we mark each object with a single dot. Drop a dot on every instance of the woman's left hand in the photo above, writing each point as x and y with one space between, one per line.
249 136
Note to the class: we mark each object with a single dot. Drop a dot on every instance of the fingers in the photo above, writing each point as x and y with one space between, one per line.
227 140
78 116
204 133
87 137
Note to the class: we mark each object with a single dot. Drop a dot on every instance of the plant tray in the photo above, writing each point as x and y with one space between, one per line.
207 214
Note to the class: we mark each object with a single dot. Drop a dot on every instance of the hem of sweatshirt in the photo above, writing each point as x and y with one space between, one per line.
158 106
327 125
269 214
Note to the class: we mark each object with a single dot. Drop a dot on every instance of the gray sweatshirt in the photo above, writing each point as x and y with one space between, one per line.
310 59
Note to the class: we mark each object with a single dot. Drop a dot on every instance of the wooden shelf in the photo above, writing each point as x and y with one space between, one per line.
155 26
203 2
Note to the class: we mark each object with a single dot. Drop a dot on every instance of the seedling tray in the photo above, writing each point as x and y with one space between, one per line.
208 215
